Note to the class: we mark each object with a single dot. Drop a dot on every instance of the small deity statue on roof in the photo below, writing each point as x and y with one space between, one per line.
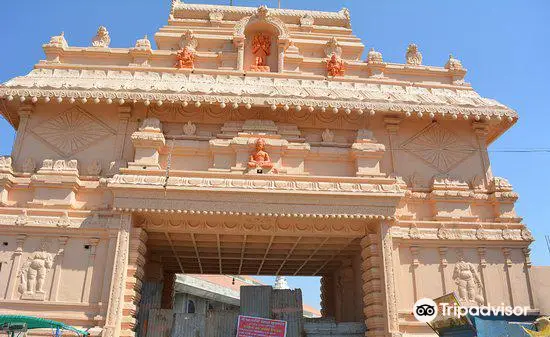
185 59
259 158
414 56
261 48
102 38
335 66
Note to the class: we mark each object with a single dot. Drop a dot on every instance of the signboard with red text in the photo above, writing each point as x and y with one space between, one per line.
260 327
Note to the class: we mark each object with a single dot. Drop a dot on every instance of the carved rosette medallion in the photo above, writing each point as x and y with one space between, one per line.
438 147
72 131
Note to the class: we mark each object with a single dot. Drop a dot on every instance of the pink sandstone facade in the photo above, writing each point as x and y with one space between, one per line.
134 163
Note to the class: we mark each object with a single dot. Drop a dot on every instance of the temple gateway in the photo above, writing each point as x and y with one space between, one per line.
254 141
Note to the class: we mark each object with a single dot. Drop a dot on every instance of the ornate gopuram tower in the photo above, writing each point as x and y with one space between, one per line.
253 141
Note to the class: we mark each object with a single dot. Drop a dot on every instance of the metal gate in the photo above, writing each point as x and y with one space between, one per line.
164 323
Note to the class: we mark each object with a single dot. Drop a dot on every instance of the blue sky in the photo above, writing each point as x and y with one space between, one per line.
504 44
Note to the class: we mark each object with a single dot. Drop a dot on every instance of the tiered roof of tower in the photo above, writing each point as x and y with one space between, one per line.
204 56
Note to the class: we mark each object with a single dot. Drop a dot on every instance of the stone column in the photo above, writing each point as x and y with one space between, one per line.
117 289
379 293
19 241
89 270
167 301
508 264
111 250
443 266
415 250
532 298
481 130
281 55
327 296
482 252
392 126
373 297
239 44
392 317
25 111
134 279
124 114
58 268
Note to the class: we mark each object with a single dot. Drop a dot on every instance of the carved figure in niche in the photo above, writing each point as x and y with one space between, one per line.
468 281
335 66
33 272
260 158
261 48
185 59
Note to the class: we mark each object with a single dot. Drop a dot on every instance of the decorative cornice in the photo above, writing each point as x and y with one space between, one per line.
290 185
340 17
136 86
258 214
259 224
460 233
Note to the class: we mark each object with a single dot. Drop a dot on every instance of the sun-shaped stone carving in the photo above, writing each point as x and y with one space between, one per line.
438 147
72 131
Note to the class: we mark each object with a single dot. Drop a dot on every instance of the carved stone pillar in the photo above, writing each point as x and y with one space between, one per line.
532 298
134 279
373 296
167 301
105 289
507 252
25 111
19 241
117 289
391 312
392 126
6 179
415 250
281 54
327 296
481 130
345 287
58 267
443 266
124 114
482 252
239 44
89 270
